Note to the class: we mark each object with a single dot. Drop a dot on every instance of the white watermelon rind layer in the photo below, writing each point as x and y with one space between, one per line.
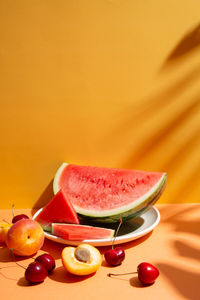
126 212
56 187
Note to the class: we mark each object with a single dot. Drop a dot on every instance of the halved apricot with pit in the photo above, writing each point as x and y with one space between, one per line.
82 260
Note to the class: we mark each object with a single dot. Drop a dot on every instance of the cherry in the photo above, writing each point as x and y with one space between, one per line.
19 217
115 256
147 273
36 272
47 261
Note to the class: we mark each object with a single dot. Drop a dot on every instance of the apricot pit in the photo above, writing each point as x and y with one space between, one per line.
82 254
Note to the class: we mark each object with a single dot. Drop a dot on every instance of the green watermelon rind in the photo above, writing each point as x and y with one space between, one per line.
126 212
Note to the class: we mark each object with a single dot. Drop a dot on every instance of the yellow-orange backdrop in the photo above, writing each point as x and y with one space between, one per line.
108 83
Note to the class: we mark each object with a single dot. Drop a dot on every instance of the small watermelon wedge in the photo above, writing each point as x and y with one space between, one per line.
74 232
108 194
59 209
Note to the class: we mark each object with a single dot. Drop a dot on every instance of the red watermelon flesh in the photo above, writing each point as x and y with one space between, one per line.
107 194
59 209
73 232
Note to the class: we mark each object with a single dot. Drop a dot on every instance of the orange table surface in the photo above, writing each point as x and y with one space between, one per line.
173 247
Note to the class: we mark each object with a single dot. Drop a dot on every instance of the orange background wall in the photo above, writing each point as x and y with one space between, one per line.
108 83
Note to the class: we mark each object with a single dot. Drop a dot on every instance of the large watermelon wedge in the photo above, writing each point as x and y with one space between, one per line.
58 209
107 194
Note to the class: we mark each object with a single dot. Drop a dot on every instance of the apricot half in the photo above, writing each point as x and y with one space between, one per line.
82 260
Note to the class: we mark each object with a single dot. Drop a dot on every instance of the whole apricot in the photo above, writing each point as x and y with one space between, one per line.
25 237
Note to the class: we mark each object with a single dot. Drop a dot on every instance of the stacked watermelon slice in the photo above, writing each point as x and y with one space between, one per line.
60 218
97 194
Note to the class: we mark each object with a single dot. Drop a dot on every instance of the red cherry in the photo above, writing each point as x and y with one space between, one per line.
147 273
114 257
46 260
36 272
19 217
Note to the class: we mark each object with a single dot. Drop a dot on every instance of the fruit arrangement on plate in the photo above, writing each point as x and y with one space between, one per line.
86 201
87 195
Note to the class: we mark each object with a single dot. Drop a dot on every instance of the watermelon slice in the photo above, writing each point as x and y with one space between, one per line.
107 194
59 209
74 232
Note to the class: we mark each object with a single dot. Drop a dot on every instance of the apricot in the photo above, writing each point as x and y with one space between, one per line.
82 260
25 237
4 227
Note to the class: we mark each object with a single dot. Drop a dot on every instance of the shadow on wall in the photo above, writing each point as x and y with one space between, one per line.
136 116
185 280
189 43
162 104
162 131
45 197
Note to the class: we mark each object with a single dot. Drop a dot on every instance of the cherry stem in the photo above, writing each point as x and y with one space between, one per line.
13 210
5 221
111 274
11 249
120 223
13 256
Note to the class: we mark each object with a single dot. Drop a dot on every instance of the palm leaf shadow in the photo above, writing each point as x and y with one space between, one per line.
154 140
189 43
137 115
185 222
187 251
184 281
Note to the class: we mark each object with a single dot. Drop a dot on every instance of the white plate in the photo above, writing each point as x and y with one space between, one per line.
129 230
